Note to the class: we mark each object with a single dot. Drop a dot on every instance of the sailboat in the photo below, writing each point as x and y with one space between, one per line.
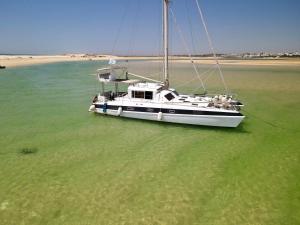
156 100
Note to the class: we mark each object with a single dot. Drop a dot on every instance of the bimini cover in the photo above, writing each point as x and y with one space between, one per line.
111 74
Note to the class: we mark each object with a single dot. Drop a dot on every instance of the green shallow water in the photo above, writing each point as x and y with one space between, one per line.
89 169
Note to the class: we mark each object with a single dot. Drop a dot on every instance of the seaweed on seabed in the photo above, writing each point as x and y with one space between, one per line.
26 151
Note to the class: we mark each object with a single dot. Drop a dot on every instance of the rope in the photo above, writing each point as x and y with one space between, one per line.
270 123
211 46
187 48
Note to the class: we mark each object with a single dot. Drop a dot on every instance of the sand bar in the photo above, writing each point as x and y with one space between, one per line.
23 60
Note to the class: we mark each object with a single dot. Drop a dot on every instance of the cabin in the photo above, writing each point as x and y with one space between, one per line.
146 91
152 92
136 91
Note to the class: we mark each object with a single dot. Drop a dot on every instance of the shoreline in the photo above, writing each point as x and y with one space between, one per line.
10 61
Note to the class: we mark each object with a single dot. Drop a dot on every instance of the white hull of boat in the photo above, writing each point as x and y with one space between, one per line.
205 120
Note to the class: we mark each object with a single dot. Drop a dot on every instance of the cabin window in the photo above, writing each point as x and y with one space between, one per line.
138 94
169 96
142 94
148 95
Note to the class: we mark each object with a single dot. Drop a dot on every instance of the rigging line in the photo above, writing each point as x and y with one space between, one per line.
205 72
187 48
194 91
134 29
146 78
120 26
180 85
209 75
210 72
154 74
194 50
211 45
191 27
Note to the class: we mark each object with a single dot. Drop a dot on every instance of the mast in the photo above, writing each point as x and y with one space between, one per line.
165 42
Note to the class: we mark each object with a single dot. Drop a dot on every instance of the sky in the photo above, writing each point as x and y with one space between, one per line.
133 27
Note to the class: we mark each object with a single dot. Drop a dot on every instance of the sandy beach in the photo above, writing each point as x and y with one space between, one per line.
23 60
247 62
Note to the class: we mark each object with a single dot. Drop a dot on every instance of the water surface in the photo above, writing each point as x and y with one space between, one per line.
88 169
